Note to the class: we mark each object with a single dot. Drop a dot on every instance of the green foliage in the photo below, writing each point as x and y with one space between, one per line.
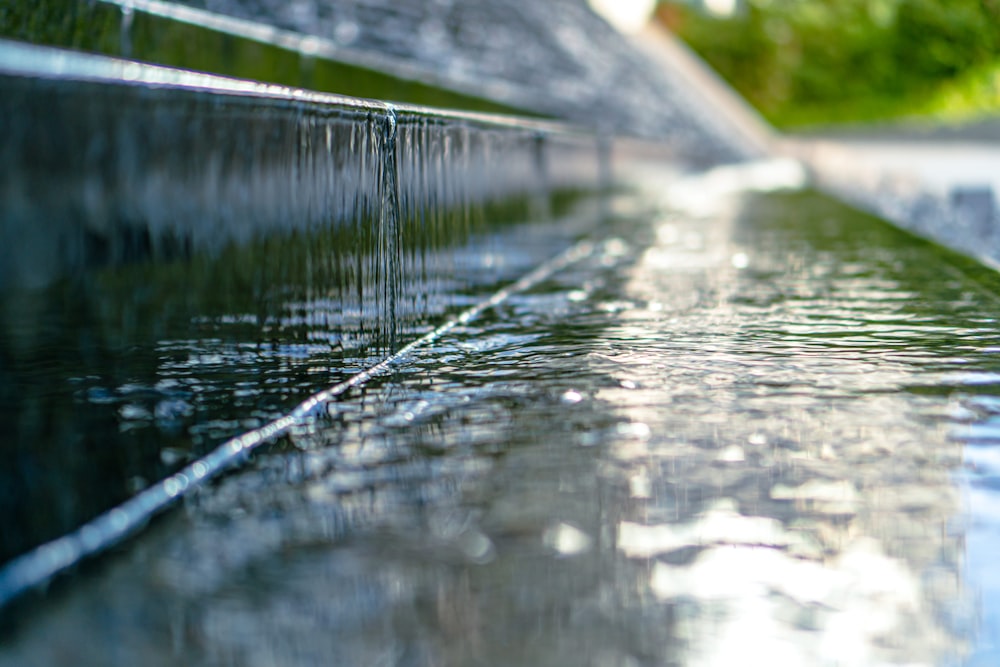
823 61
942 39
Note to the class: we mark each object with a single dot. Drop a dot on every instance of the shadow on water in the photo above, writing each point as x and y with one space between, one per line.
731 432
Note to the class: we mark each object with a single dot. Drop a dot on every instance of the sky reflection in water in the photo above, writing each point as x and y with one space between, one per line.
738 432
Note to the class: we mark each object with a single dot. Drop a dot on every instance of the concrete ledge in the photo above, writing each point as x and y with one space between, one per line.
941 191
120 159
185 37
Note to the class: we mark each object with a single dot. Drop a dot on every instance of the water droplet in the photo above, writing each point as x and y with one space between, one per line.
90 536
637 430
571 397
119 519
172 409
172 456
125 31
131 411
668 234
346 32
640 486
615 247
477 546
100 396
731 454
172 486
567 540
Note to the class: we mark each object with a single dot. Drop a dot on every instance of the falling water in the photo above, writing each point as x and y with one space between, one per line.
733 424
125 45
731 428
204 259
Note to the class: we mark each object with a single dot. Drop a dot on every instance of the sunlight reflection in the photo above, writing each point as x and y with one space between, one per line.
798 518
708 193
627 16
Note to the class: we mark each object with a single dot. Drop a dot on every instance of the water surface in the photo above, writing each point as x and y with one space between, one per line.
744 426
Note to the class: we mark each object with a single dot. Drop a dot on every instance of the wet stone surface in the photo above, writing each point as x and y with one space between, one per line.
738 429
557 58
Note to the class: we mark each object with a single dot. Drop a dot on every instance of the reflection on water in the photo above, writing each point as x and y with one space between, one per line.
163 291
123 385
734 432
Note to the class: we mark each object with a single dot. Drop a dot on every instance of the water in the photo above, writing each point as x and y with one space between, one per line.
746 424
743 424
186 257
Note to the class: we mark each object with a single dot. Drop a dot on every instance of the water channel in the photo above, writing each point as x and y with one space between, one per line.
739 423
637 410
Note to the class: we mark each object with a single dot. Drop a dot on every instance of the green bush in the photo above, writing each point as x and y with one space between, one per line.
941 40
821 61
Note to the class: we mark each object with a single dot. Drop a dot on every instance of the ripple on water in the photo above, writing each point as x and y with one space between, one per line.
763 465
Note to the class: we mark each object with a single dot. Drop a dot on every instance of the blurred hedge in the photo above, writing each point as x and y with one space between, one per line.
822 61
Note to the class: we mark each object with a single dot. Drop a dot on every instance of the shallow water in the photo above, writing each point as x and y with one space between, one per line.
193 285
749 423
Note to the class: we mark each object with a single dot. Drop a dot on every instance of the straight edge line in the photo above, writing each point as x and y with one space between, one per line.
19 59
314 46
38 566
